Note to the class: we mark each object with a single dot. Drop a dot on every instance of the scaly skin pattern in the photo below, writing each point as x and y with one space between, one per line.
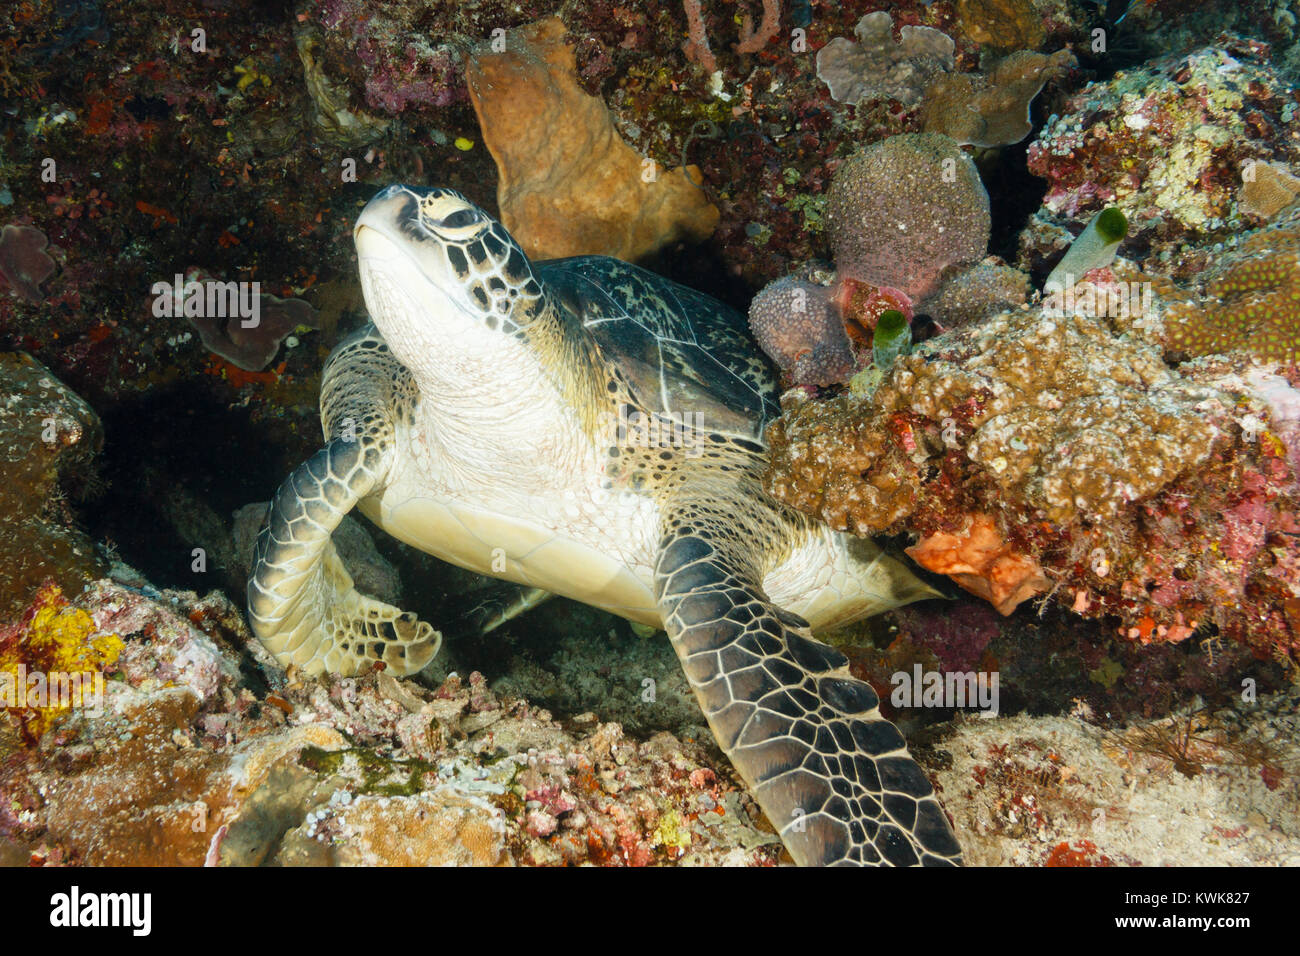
833 776
301 602
590 342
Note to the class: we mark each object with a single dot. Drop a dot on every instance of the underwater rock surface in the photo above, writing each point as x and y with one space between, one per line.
48 440
1136 486
205 753
202 755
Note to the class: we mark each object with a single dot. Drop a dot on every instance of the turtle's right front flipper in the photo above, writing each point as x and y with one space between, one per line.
833 776
301 602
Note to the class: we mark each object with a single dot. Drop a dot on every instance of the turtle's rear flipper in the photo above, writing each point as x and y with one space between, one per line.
487 608
301 602
832 775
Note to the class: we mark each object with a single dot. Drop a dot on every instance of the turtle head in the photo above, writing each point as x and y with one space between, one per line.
436 269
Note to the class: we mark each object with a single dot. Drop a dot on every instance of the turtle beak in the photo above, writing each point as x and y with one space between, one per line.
392 234
394 208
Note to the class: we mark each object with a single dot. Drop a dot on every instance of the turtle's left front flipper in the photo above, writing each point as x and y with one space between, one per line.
301 601
833 776
302 604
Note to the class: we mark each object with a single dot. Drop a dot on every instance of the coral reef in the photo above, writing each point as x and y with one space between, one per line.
232 159
199 756
204 753
1135 488
1046 432
901 211
877 66
978 293
1266 189
992 109
1059 791
568 184
23 261
974 109
906 218
48 438
403 66
1167 142
332 114
49 644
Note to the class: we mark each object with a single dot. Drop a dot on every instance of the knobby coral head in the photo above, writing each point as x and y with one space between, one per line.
903 210
798 324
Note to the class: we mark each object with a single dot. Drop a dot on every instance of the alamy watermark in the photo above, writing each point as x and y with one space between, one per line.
74 908
634 429
1113 300
946 689
21 689
195 299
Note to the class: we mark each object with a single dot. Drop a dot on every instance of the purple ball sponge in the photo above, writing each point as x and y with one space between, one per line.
798 325
902 210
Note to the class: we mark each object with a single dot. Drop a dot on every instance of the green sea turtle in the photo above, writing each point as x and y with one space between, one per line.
586 427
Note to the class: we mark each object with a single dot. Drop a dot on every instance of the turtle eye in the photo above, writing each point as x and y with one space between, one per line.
460 219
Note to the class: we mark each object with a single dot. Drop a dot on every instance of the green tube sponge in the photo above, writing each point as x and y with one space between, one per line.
892 338
1094 248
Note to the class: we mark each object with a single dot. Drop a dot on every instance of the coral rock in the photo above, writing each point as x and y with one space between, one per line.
433 828
48 439
1166 498
876 66
1030 786
333 117
1250 302
1267 189
800 328
1167 142
992 109
1075 423
975 294
52 638
568 185
903 210
979 560
1001 24
197 757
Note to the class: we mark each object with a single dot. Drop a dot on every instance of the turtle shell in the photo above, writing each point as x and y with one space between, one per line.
682 352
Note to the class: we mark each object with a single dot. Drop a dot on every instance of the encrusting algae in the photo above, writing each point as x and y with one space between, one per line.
53 659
